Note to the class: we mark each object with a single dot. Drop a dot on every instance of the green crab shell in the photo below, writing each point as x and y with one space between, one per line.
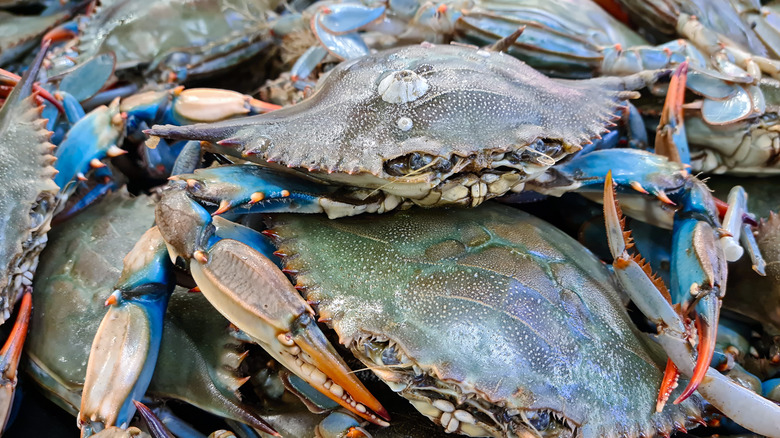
507 315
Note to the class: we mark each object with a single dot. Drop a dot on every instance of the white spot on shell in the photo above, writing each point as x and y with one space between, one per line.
402 86
404 123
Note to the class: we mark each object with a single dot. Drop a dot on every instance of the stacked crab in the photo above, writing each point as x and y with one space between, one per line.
489 321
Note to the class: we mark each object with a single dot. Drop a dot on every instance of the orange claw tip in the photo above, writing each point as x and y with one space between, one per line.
256 197
721 206
12 349
661 195
58 34
705 350
356 432
96 164
224 205
668 384
270 233
382 412
80 176
194 290
264 106
346 389
638 187
111 301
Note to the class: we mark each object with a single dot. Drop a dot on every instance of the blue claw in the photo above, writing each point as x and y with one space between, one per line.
698 265
91 139
249 188
125 348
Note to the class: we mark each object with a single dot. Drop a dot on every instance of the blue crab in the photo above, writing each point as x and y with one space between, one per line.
129 36
491 322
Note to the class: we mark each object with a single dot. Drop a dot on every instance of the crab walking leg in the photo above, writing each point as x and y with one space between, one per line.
10 355
745 407
124 351
670 138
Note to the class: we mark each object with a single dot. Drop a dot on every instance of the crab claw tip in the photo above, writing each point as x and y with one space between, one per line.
668 384
12 349
705 349
224 206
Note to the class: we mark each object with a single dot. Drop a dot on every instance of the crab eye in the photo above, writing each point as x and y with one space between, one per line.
411 163
540 420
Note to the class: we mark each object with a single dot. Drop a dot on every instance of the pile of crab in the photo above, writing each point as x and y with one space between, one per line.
381 211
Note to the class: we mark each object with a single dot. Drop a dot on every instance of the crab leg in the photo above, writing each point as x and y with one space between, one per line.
10 355
241 282
670 136
652 298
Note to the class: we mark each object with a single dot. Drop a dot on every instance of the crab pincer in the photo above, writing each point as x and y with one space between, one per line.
652 298
124 351
231 266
